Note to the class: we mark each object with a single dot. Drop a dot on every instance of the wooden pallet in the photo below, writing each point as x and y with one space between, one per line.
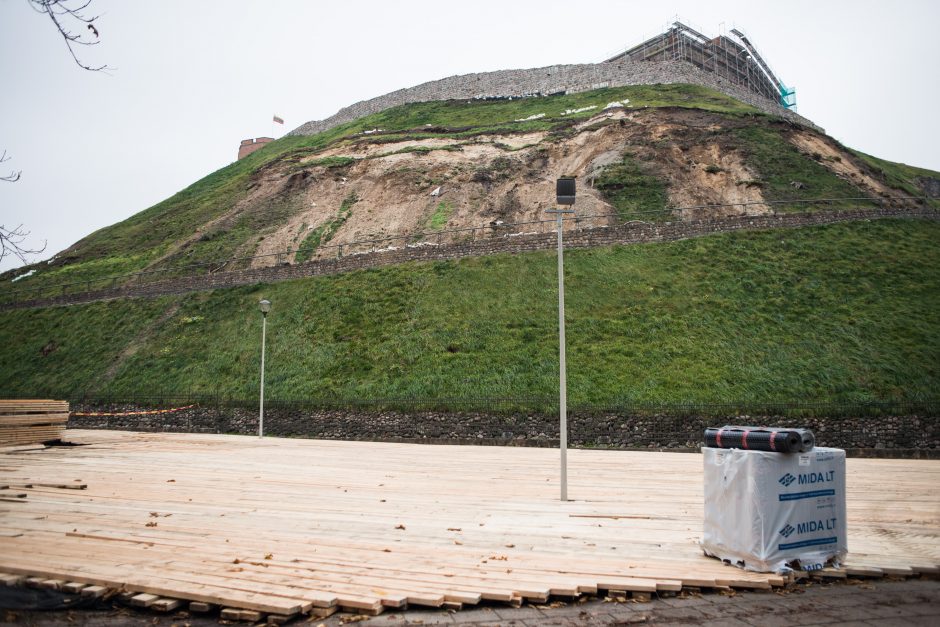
283 527
31 421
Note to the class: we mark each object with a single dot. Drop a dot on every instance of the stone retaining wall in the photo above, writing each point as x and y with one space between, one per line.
630 233
552 80
600 429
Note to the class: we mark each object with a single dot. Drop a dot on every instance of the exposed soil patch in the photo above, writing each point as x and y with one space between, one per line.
411 187
715 176
840 162
480 184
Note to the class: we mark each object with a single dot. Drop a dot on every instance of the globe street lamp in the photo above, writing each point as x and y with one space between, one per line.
265 306
564 193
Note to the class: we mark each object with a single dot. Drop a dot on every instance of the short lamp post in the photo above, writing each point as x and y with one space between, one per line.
565 193
265 306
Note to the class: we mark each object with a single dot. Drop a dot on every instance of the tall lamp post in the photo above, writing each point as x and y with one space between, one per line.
265 306
565 193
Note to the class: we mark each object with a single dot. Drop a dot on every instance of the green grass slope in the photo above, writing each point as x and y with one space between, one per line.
844 312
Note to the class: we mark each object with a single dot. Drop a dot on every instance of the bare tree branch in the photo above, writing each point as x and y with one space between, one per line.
66 15
65 18
11 243
14 175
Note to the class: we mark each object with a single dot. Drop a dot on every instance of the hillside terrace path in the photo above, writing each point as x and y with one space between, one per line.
634 232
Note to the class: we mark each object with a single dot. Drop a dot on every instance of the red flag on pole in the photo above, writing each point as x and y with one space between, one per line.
278 120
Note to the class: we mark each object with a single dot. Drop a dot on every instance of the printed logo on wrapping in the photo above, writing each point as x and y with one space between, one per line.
787 530
786 480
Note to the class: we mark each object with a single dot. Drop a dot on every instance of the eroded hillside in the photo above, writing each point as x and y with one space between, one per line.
646 153
366 188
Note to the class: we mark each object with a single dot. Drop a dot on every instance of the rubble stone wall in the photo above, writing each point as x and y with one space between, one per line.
911 435
552 80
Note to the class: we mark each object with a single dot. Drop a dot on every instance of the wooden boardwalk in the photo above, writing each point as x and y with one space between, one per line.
286 526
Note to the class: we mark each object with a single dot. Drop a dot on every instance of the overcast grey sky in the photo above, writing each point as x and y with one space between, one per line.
193 78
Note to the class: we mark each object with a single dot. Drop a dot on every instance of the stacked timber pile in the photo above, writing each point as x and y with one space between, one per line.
31 421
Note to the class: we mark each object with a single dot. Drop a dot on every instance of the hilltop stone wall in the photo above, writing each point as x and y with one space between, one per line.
629 233
551 80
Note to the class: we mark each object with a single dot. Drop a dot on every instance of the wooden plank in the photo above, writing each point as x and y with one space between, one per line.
94 591
144 600
862 571
12 406
235 614
166 605
38 420
323 612
8 579
28 436
33 425
13 430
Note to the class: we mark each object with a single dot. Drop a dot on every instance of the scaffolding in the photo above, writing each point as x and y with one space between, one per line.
729 56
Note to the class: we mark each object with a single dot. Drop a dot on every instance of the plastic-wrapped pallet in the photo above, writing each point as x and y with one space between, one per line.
766 510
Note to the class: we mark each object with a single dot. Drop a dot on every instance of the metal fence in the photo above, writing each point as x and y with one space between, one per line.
416 239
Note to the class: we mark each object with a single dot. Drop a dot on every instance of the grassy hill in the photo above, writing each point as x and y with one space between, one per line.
844 312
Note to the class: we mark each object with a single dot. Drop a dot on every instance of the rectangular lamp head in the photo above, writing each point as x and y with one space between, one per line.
565 190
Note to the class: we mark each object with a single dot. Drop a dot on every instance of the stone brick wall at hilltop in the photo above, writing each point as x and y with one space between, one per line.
551 80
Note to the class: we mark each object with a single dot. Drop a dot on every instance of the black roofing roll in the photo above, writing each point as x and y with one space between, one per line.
760 439
808 438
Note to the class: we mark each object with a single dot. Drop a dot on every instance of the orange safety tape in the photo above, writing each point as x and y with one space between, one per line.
131 413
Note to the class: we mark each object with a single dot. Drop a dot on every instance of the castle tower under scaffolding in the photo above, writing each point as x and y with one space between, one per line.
732 57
